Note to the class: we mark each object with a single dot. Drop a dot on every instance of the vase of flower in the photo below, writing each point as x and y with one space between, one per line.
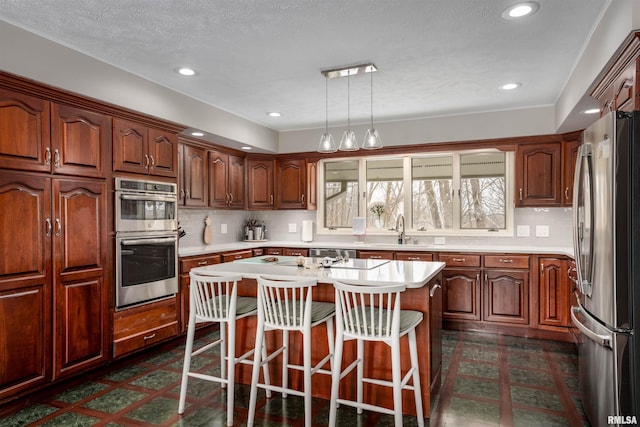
377 209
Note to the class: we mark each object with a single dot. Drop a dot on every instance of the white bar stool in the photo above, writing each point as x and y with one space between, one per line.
372 313
215 299
287 305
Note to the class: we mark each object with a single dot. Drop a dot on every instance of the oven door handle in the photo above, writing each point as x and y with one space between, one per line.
148 241
154 197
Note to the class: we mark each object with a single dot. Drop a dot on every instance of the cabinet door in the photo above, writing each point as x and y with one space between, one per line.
506 296
260 184
78 141
460 294
236 182
25 282
376 254
569 159
79 251
538 170
24 132
554 292
130 147
413 256
195 176
291 184
312 186
163 153
218 180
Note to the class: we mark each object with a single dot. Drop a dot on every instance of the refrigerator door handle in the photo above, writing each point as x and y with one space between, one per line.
603 340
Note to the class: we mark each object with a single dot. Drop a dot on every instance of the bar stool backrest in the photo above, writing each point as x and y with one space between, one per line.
285 304
213 297
368 312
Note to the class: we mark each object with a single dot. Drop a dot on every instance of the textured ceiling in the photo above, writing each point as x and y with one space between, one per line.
434 57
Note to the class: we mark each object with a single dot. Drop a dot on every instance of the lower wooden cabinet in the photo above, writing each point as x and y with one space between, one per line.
506 296
186 264
461 294
435 333
555 292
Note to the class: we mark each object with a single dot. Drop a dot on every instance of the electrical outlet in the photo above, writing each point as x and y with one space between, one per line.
292 228
542 231
439 240
523 231
223 228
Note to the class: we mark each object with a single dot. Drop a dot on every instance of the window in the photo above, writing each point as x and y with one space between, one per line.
463 193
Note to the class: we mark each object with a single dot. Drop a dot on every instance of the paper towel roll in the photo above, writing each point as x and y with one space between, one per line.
307 231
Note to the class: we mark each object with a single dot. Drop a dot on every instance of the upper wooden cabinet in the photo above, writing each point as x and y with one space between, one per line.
539 174
291 184
226 181
40 136
312 186
192 176
569 158
260 183
144 150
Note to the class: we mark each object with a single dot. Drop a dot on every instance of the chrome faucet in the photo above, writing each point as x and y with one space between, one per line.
401 236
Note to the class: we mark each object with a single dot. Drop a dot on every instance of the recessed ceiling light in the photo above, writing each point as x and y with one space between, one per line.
520 10
186 71
591 111
274 114
510 86
197 133
246 147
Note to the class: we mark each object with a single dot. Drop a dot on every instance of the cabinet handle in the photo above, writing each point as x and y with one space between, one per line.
458 259
433 289
302 199
566 193
237 257
478 278
182 193
271 200
505 260
375 256
521 194
187 193
146 161
148 337
542 269
58 227
56 158
47 156
486 278
203 263
413 258
153 162
49 226
230 198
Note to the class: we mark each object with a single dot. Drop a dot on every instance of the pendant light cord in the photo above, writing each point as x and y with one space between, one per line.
371 72
326 104
348 101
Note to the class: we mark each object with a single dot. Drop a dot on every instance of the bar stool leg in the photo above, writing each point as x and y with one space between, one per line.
397 380
231 371
257 360
223 354
285 361
307 377
413 351
360 371
188 349
336 370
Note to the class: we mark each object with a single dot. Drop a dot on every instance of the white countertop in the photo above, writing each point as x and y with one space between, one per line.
489 248
414 274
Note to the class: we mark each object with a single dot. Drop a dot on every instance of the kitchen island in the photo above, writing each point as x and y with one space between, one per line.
423 294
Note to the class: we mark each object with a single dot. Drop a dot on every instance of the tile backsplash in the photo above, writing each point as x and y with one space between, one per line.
286 225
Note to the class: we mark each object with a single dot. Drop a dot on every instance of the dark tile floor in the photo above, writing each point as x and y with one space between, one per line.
489 380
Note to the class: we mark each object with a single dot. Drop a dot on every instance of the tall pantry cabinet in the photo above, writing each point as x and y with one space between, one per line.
53 232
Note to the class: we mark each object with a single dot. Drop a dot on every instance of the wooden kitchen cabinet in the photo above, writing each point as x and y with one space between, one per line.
141 149
506 296
435 334
312 185
226 181
192 181
232 256
291 184
554 299
461 286
260 183
186 264
539 174
569 158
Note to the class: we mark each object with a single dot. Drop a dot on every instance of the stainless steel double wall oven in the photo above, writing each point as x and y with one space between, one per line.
146 241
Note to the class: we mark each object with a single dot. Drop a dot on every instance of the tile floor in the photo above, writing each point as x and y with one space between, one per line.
489 380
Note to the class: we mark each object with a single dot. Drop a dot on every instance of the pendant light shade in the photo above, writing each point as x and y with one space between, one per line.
348 141
371 139
326 140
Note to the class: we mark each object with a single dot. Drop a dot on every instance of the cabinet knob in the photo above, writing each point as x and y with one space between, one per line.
413 258
56 158
47 156
507 260
271 199
521 194
203 263
458 259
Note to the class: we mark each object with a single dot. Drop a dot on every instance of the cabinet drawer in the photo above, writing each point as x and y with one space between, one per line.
186 264
295 252
258 252
506 261
143 339
375 254
273 251
413 256
460 260
232 256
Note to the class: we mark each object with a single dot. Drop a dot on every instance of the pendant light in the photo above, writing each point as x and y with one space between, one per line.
326 140
348 141
371 138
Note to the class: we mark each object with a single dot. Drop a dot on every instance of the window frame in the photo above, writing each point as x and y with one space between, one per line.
508 231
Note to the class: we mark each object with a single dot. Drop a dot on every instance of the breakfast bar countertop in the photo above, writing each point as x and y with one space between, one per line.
414 274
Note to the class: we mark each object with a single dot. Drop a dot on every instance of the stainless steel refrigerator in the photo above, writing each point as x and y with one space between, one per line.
606 209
